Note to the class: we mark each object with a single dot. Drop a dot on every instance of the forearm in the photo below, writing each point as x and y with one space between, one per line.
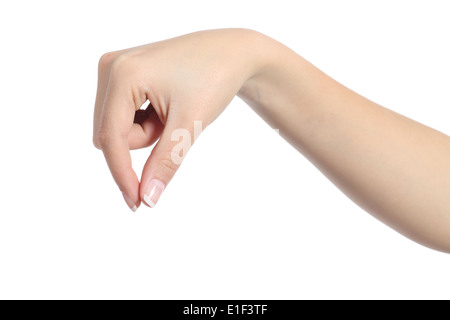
393 167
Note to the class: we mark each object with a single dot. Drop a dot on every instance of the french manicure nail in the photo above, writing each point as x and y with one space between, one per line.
129 202
152 192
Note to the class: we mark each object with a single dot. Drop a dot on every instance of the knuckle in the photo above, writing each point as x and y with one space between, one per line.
106 60
101 139
122 63
96 142
168 166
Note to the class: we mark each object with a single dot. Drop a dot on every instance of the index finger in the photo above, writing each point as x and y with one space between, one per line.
116 122
117 155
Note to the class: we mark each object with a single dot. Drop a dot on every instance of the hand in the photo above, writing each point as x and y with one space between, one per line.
186 79
393 167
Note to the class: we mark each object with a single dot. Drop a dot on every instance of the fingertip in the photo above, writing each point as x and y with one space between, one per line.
132 204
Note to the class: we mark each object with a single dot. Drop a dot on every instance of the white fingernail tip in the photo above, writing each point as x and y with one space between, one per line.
149 201
134 209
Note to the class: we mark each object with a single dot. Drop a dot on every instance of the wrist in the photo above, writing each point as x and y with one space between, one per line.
266 72
257 46
281 85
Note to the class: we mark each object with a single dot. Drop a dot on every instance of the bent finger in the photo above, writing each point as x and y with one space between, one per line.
145 131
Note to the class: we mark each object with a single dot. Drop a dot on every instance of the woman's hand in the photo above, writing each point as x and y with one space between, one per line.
393 167
186 79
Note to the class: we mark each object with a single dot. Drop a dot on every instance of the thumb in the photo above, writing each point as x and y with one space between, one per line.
165 159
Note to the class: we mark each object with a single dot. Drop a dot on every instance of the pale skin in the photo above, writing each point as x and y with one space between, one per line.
391 166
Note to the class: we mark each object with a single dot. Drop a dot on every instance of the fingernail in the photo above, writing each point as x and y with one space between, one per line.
129 202
152 192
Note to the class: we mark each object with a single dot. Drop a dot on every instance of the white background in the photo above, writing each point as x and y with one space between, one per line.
246 216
